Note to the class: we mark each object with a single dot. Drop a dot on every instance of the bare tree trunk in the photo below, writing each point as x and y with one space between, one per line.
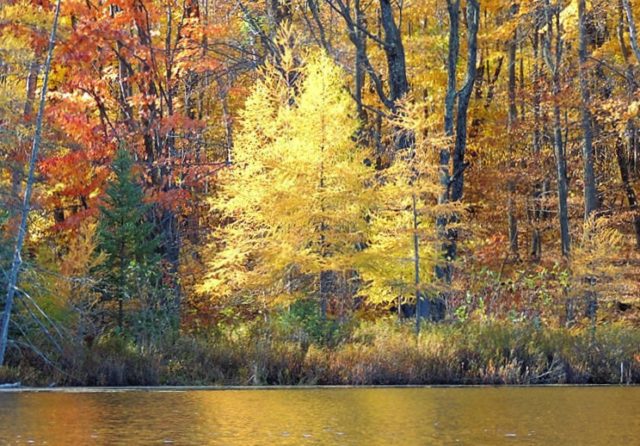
589 178
443 268
452 183
17 163
359 68
558 141
561 172
394 52
538 188
396 69
633 33
26 205
124 73
393 49
512 118
464 96
32 83
422 305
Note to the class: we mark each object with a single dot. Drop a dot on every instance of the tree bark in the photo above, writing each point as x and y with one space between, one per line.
512 118
448 248
394 52
633 33
359 65
539 189
17 163
452 181
464 96
558 142
391 44
589 178
422 305
396 70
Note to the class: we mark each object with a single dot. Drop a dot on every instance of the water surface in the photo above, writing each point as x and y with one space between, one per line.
329 416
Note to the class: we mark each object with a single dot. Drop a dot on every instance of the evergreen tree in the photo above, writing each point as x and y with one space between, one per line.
126 237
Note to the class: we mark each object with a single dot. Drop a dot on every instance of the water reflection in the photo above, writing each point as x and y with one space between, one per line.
473 416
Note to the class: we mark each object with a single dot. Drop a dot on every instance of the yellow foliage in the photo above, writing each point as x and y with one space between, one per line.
78 264
593 263
296 198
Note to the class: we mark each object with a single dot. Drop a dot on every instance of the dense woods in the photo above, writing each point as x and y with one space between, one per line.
319 191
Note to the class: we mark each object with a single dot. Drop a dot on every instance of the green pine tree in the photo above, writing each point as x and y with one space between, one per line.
126 237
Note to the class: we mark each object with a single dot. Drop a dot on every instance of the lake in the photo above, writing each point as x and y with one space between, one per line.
324 416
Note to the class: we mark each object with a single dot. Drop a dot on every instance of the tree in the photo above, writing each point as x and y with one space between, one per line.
512 122
452 177
553 50
126 237
391 44
26 204
144 76
294 204
590 199
404 242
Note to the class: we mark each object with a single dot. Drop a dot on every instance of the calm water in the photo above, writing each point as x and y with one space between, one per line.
411 416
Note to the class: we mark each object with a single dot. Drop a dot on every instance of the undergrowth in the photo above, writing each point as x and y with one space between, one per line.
384 352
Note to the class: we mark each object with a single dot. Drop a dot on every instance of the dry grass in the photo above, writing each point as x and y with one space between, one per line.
384 352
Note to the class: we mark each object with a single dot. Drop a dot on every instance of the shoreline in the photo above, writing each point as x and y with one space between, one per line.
379 354
169 389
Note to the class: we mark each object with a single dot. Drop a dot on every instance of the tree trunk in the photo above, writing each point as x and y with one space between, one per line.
452 183
539 190
17 163
448 248
278 12
325 285
394 52
32 84
633 33
464 96
558 142
396 69
361 54
512 118
393 48
422 305
590 191
124 74
563 189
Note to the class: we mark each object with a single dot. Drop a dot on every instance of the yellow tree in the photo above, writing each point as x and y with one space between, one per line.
405 243
296 200
402 253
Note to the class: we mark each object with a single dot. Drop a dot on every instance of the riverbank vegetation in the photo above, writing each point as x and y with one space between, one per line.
385 352
319 192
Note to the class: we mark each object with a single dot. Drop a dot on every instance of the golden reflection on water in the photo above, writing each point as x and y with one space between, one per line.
385 416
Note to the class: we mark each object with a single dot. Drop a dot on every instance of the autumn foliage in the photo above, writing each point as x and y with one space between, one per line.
325 162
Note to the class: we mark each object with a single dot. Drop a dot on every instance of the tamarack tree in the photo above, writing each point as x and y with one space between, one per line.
295 201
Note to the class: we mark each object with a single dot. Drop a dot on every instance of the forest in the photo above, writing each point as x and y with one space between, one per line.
319 192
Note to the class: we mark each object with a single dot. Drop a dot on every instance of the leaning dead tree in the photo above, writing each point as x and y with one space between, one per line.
26 203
